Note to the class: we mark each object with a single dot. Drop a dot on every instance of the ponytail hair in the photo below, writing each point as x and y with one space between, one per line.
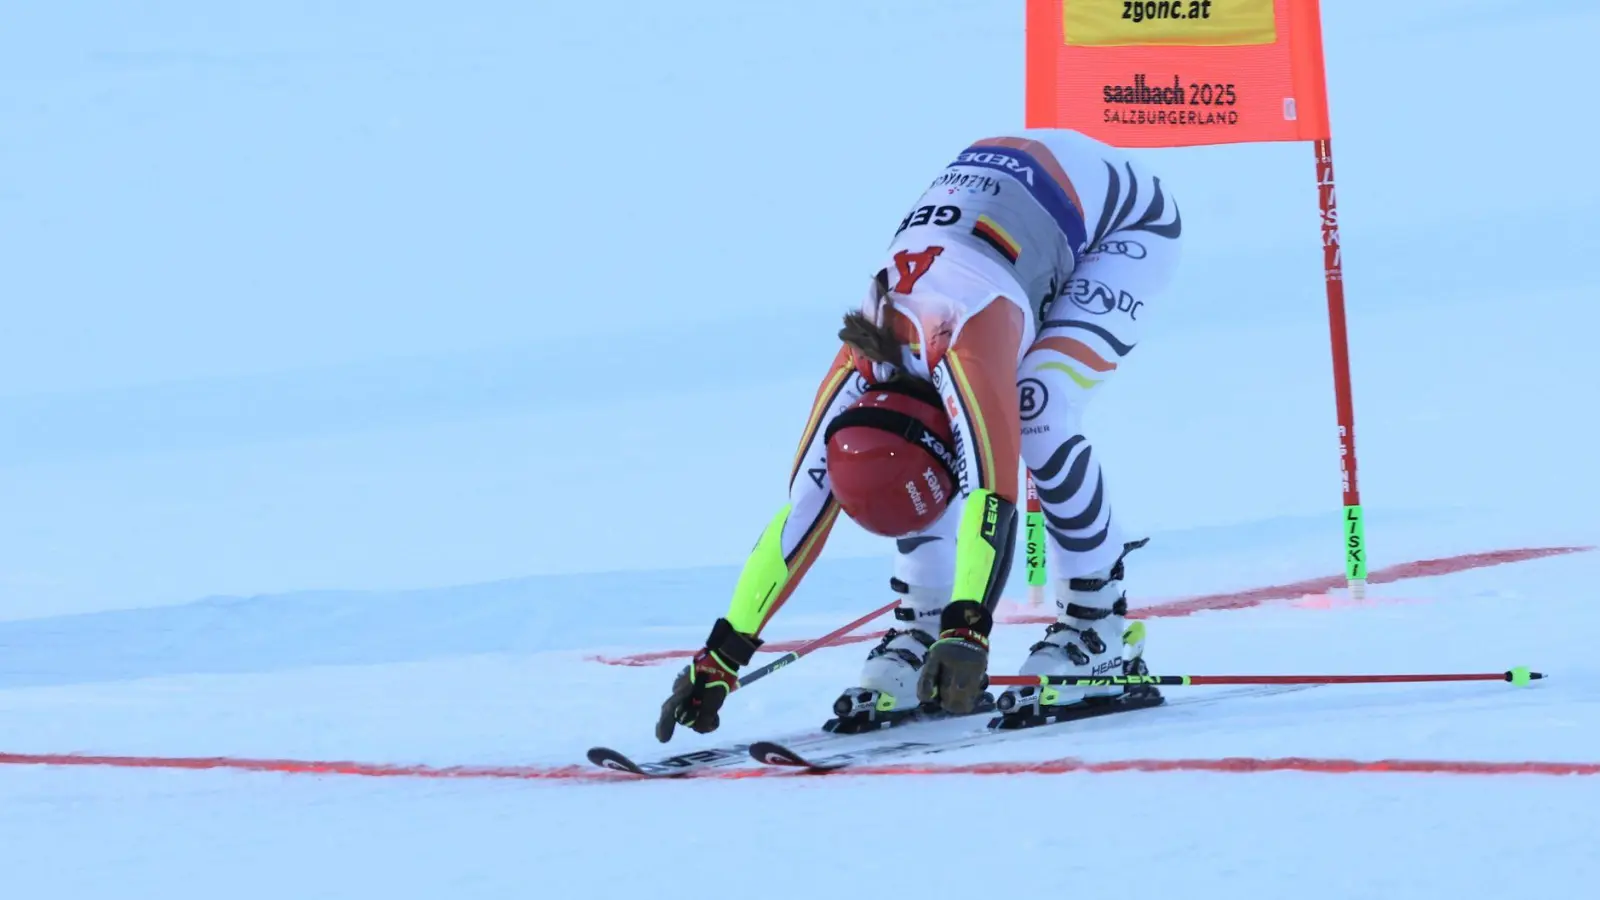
871 336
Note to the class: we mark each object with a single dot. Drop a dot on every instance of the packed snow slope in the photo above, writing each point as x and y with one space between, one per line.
368 372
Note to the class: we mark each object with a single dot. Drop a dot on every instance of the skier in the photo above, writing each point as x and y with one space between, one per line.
1014 288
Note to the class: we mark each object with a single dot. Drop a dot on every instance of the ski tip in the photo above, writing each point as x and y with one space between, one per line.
1521 675
774 754
607 758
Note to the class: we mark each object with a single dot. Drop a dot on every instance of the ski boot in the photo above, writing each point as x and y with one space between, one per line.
1091 639
887 692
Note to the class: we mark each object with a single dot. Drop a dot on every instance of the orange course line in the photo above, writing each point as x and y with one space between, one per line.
1067 766
1239 765
1422 568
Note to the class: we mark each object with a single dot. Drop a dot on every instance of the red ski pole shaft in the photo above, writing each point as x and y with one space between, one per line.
811 646
1519 675
1356 679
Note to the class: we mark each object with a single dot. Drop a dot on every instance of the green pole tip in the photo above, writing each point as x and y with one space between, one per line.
1521 676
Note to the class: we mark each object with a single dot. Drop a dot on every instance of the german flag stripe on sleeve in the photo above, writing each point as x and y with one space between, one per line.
990 232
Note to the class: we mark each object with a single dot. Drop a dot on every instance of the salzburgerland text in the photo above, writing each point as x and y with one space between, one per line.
1171 117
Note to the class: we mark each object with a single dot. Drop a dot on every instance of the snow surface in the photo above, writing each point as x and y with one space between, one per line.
421 346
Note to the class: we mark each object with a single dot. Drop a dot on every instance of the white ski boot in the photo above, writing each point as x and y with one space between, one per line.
887 691
1091 638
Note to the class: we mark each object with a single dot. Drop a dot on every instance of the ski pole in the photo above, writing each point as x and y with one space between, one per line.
818 644
1520 675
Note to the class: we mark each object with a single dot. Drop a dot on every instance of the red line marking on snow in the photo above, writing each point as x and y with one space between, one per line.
1069 766
1422 568
304 767
1228 765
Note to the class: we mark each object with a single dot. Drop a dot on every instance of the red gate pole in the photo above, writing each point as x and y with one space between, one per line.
1355 551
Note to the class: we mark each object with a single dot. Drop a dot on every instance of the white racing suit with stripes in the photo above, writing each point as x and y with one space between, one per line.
1052 250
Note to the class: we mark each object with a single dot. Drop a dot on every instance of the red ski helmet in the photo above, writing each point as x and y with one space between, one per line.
890 458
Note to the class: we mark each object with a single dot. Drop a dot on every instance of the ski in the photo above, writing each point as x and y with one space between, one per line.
682 764
819 760
668 767
773 753
728 755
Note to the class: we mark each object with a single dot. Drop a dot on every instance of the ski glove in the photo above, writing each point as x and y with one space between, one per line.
699 689
956 670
